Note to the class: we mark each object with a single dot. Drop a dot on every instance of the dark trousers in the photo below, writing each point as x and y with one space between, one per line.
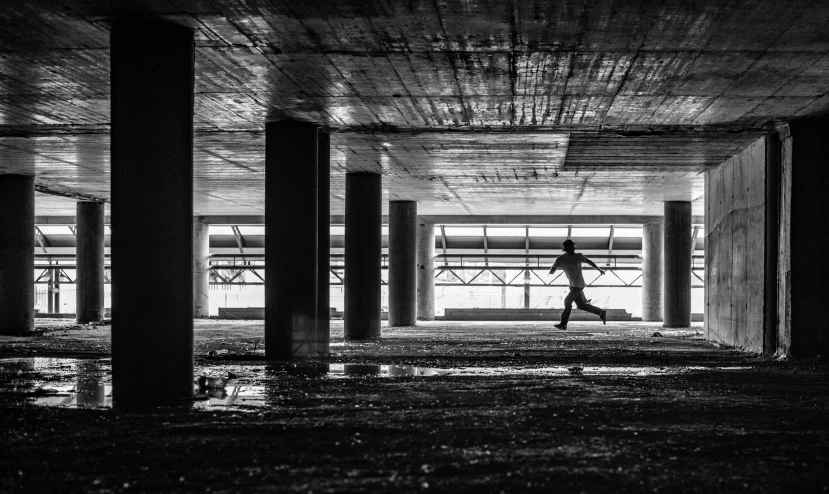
577 295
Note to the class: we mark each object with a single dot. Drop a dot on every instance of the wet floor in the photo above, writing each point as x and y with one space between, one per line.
72 382
460 407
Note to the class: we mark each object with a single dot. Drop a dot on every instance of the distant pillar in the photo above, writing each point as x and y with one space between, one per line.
402 263
772 233
677 272
17 254
291 243
56 290
50 291
652 271
152 211
527 289
363 229
89 278
324 243
425 271
201 268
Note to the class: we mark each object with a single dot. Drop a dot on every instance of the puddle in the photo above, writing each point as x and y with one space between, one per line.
357 370
76 383
231 396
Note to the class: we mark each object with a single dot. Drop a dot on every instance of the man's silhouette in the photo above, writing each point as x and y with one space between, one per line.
570 263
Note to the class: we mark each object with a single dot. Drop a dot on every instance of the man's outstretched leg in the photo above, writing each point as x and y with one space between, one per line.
581 303
568 307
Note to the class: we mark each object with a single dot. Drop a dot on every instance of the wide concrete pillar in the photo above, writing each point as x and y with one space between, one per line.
425 271
652 271
291 243
324 243
17 254
363 229
402 263
201 268
89 278
802 259
676 308
152 211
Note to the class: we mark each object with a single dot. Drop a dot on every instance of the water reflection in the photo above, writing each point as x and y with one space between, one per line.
64 382
362 370
294 369
240 395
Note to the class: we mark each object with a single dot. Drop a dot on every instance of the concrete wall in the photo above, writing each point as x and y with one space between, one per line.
734 249
803 263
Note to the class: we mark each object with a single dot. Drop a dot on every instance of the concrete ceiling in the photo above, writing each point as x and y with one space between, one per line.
469 107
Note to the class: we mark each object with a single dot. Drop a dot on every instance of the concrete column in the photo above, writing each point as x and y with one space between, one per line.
802 259
527 289
89 280
425 271
152 211
50 291
772 232
363 229
201 268
676 308
402 263
56 292
291 243
17 254
324 243
652 271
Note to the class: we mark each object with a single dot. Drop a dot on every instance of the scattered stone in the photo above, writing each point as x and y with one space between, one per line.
657 335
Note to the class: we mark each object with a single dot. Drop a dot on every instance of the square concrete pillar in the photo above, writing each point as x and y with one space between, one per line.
324 243
152 211
652 271
201 268
425 271
803 261
17 254
89 279
363 232
291 243
402 263
676 309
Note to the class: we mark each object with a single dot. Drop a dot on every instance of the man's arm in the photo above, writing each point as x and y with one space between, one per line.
555 265
588 261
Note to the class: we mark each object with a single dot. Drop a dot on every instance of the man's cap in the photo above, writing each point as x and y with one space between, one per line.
568 243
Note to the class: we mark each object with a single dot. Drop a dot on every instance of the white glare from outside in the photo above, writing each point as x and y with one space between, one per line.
221 230
603 231
252 230
55 230
501 231
548 232
464 231
627 232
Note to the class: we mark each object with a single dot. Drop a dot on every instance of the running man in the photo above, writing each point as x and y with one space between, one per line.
570 263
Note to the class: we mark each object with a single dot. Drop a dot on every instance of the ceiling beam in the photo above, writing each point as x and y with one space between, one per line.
622 219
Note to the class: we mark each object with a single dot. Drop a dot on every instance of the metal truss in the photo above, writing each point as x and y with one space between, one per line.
450 270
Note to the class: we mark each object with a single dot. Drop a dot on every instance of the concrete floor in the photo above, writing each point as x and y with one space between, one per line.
511 407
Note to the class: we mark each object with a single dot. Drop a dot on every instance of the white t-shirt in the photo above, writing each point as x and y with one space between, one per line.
571 265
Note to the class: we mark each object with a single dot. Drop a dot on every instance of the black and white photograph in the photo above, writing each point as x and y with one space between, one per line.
414 246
